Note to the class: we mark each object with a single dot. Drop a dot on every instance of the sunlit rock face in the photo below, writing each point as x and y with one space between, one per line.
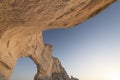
22 23
58 72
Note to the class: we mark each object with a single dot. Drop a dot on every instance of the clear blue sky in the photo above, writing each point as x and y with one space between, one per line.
89 51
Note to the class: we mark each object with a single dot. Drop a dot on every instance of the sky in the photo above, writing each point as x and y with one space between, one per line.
89 51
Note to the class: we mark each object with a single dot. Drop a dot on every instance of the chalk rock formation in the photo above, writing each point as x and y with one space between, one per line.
58 72
22 23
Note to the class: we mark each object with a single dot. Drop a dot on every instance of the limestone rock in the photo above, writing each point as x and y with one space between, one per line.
72 78
58 72
22 23
47 14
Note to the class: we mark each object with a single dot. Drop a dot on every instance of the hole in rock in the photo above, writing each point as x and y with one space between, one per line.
25 70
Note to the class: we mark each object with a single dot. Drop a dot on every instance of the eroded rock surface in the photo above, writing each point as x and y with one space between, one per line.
22 23
58 72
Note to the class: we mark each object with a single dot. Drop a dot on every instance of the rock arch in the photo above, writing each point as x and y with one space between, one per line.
22 23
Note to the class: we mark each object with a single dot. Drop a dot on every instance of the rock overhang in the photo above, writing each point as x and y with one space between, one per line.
22 23
48 14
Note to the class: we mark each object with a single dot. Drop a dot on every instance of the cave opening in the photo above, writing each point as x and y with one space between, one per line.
25 70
